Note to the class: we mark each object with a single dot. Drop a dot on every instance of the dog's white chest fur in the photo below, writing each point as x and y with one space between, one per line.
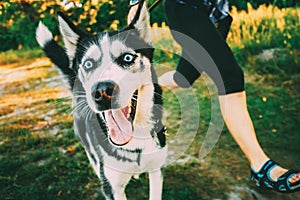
117 114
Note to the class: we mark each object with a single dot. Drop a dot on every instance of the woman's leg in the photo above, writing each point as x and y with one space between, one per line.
236 116
195 24
235 113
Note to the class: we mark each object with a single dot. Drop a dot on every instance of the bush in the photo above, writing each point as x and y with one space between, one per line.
18 19
267 27
13 56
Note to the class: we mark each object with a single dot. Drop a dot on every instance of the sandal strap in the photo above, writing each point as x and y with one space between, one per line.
261 177
264 181
283 183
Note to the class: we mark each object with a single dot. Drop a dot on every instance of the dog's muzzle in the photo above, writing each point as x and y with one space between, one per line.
104 94
119 120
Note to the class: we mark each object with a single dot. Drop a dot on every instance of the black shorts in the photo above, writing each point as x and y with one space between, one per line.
203 48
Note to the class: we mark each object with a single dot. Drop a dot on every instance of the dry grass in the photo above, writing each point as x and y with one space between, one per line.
41 159
262 24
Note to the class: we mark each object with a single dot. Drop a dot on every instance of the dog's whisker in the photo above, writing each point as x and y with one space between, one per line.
128 32
78 107
79 92
81 105
83 113
134 98
80 96
74 94
148 83
111 125
91 114
81 101
84 109
160 95
58 104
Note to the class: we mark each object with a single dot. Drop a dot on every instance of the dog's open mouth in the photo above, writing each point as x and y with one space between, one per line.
120 123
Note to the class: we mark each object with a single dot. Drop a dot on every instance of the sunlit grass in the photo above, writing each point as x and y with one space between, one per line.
267 26
265 41
40 158
20 56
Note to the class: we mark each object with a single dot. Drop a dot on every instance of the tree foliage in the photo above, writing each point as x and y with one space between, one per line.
19 18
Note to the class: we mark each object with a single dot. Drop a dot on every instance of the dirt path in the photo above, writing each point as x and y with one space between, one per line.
26 89
34 97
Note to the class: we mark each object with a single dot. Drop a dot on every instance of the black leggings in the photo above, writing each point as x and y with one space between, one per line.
203 47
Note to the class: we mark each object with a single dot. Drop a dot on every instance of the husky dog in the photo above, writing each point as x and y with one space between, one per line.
117 103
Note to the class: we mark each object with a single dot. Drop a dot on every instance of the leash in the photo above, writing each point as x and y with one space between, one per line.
156 3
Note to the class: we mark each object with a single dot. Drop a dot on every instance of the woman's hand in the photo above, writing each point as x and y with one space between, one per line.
166 81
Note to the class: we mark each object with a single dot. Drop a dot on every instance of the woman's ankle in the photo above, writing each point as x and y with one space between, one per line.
258 163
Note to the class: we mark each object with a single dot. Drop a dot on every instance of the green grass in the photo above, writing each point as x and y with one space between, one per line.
40 157
35 164
19 56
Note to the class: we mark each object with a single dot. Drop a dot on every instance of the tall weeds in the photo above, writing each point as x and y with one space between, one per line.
265 27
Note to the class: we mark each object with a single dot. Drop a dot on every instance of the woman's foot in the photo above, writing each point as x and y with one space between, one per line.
272 176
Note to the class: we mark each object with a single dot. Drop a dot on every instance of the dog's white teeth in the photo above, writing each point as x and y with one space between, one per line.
129 111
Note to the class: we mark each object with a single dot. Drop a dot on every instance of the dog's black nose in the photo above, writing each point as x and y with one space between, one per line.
103 93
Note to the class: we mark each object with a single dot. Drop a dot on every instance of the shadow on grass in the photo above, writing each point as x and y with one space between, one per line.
41 159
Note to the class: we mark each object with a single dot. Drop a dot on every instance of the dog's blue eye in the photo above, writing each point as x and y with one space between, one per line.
128 58
88 64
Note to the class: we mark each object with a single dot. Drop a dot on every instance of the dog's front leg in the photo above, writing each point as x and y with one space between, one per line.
156 184
117 181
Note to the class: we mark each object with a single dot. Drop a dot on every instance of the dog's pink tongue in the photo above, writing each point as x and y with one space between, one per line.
120 129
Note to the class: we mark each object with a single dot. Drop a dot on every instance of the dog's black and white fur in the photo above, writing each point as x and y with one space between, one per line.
117 103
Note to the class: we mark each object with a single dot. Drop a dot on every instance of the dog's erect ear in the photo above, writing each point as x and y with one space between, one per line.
141 22
70 34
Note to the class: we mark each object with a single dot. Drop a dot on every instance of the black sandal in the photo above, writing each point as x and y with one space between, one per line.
264 181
